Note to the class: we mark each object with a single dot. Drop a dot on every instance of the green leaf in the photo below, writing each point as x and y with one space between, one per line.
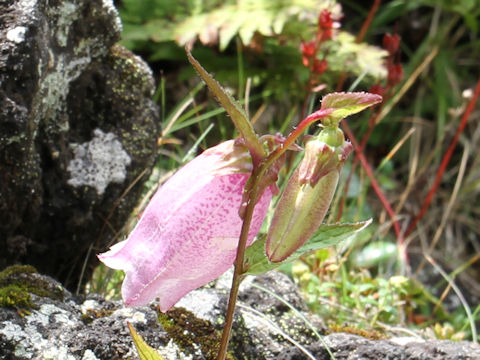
344 54
327 235
344 104
233 108
145 352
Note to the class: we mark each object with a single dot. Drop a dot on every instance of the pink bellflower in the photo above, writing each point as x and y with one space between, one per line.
188 234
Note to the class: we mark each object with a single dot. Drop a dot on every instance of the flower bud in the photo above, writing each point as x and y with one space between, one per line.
308 194
319 66
391 43
377 89
309 51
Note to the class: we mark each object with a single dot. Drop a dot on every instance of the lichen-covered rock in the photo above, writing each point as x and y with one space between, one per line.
55 325
77 128
353 347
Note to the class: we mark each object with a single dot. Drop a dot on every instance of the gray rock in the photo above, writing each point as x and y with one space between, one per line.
77 127
59 326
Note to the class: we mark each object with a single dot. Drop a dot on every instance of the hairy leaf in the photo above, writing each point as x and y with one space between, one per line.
231 106
345 104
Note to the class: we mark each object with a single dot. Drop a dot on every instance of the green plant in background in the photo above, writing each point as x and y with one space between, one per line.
269 35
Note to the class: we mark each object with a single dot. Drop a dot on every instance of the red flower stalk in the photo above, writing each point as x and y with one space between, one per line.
309 50
395 74
325 20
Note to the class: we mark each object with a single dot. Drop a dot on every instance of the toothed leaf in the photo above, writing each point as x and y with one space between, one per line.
345 104
233 108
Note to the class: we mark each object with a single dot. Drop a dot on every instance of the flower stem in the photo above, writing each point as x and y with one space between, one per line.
257 176
239 265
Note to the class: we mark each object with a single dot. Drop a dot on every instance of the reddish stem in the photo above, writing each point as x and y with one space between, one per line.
359 149
304 124
368 21
445 161
359 38
257 175
375 185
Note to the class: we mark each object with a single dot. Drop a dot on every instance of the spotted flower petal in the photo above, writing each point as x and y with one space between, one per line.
188 234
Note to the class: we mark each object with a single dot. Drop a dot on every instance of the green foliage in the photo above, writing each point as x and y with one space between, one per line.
468 9
217 21
359 59
326 236
346 104
269 33
374 254
19 282
356 297
231 106
246 18
106 281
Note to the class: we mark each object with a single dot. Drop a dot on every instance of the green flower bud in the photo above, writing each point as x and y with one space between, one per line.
308 194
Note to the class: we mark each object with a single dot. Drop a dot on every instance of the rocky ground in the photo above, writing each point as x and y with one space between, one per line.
39 319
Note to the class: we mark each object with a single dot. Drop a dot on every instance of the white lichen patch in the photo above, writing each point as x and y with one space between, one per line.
54 353
24 339
131 315
67 15
172 351
27 4
98 162
46 310
55 86
195 303
404 340
112 10
89 355
17 35
29 339
89 304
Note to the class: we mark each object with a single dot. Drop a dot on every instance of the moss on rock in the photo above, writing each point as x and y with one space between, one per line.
190 332
19 282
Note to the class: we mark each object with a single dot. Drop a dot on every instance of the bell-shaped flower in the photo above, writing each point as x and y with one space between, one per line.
188 234
308 194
